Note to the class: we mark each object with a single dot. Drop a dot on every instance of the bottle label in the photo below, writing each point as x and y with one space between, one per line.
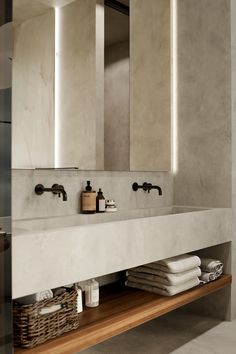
89 201
91 296
87 295
95 295
102 205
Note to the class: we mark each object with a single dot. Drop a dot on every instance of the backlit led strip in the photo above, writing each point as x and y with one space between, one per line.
174 85
57 90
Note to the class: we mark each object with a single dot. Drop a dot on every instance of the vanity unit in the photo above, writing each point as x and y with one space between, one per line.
105 246
92 248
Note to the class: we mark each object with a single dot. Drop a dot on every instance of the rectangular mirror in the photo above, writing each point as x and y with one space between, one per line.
92 84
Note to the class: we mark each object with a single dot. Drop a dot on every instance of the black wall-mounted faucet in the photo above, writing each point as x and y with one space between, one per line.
146 187
56 189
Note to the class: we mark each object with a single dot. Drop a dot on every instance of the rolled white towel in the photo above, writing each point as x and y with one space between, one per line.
164 277
210 276
168 290
218 273
211 265
207 277
176 264
31 299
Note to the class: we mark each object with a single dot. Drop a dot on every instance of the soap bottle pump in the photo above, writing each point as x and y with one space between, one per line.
88 200
100 202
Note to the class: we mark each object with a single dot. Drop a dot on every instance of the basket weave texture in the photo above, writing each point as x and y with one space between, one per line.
32 328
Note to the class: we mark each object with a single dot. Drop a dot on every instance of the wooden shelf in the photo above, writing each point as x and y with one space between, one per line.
120 310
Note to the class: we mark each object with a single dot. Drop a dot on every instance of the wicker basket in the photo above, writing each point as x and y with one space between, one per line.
32 326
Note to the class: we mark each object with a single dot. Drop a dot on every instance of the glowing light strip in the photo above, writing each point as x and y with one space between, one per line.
57 90
174 85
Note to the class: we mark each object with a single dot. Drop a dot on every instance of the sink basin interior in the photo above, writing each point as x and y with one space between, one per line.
83 219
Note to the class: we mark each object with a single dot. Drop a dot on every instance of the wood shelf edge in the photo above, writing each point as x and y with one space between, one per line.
105 328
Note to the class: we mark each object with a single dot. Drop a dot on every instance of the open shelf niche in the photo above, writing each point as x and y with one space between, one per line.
121 309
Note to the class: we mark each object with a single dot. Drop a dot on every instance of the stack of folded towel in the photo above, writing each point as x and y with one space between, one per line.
167 277
212 269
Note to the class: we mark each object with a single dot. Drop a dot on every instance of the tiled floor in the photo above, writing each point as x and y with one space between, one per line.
176 333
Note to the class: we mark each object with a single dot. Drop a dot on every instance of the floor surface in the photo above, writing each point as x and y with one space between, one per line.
176 333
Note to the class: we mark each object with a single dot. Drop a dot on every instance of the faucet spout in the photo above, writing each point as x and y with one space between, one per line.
64 195
59 189
158 188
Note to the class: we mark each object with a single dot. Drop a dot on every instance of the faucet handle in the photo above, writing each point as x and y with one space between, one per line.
147 187
56 189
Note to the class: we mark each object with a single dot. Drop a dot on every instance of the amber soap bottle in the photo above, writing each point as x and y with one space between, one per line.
88 200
